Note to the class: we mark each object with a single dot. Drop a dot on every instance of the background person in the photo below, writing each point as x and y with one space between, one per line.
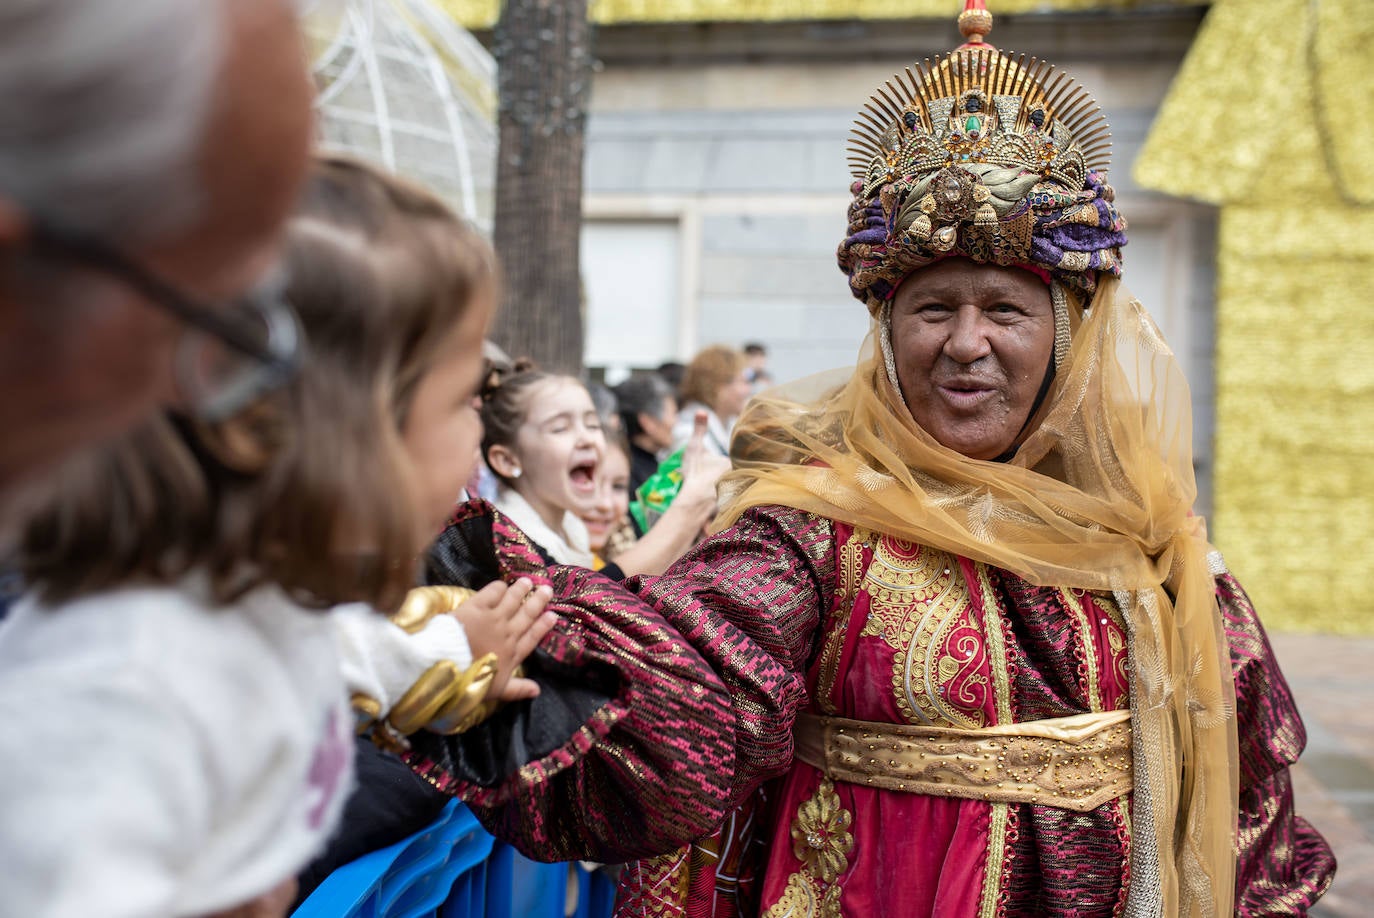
715 382
648 412
756 365
607 407
542 438
608 520
147 162
619 551
672 372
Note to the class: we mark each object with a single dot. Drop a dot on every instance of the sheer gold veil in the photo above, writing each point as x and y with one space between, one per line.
1099 497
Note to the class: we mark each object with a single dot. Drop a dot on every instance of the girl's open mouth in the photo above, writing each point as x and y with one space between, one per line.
582 476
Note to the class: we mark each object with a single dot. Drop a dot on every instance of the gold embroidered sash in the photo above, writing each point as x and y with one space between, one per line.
1075 763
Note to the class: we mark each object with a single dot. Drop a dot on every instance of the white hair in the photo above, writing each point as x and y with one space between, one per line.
102 109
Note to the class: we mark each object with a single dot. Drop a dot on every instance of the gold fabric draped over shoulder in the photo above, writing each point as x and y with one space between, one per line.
1099 497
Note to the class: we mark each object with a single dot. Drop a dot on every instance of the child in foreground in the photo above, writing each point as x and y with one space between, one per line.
178 733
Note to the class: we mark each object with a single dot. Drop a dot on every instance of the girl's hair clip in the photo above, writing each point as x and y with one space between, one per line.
498 372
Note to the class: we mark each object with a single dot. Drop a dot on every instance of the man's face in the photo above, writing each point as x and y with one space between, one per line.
972 344
84 367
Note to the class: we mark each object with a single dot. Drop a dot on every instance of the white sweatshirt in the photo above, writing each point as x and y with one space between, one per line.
162 757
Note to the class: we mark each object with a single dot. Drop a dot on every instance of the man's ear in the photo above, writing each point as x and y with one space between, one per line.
503 462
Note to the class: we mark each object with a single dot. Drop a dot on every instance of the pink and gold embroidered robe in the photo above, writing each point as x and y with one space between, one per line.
795 613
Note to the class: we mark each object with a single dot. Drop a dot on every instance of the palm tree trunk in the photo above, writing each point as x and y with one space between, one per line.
543 51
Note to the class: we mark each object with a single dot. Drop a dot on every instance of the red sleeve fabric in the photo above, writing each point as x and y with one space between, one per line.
1284 865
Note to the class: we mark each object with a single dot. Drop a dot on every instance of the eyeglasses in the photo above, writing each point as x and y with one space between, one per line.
227 357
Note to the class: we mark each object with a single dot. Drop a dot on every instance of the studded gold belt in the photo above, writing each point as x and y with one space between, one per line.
1076 763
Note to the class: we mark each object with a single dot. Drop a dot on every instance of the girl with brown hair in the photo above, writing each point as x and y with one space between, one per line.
542 438
176 625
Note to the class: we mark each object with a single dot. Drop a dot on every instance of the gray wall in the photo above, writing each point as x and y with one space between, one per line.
738 133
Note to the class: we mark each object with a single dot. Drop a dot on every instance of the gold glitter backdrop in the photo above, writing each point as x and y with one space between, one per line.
1272 118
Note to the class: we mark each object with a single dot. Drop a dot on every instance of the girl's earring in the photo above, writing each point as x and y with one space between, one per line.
515 473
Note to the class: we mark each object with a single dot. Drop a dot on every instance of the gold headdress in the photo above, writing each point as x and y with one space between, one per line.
998 158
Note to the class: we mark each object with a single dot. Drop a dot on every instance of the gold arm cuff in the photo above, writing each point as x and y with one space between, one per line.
468 705
425 698
443 700
1075 763
366 710
423 603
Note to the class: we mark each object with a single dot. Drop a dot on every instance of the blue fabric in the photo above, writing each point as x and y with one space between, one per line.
11 587
456 870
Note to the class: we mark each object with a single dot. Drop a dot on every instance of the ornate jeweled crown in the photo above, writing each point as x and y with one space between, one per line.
994 157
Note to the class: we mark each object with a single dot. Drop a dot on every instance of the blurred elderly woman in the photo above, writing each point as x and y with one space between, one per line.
980 656
715 382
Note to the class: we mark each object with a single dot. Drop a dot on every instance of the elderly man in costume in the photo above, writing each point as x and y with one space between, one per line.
963 649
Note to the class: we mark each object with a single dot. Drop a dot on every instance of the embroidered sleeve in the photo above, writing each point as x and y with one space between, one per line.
1284 865
663 700
750 600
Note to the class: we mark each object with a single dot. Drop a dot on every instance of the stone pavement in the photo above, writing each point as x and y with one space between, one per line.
1333 679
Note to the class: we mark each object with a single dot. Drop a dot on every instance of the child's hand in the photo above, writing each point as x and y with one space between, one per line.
702 469
508 620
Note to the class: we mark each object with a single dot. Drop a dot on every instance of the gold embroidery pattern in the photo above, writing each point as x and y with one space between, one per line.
667 876
1117 644
999 817
803 899
993 617
1085 641
1075 763
997 855
851 563
822 842
1116 637
820 834
1122 808
920 607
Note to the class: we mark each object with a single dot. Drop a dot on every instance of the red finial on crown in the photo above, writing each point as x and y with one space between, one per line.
974 23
